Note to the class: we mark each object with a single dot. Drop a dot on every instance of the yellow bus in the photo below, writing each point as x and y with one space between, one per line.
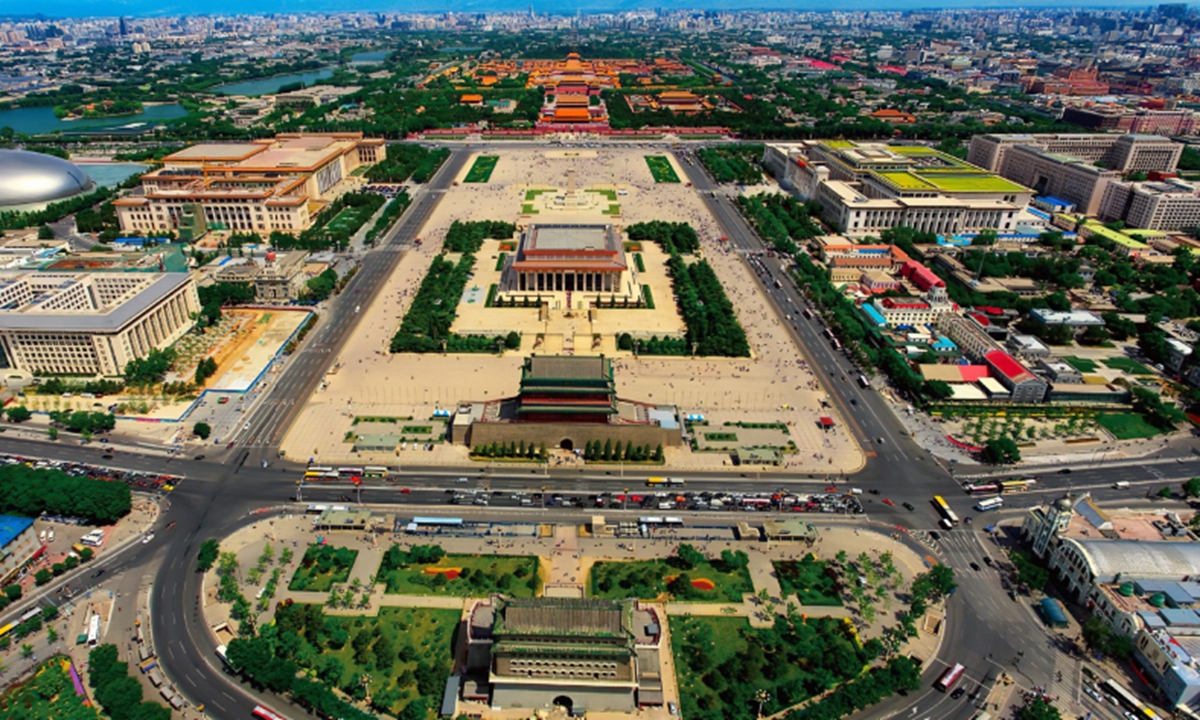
656 481
375 471
945 510
1010 486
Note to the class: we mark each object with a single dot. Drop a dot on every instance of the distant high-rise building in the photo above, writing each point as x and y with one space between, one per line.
1173 10
124 30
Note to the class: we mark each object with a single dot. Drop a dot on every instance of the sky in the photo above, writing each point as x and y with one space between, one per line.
135 8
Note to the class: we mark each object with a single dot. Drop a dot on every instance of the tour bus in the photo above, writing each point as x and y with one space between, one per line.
263 713
350 472
375 471
863 381
675 481
93 637
93 539
828 333
656 481
317 471
994 503
1009 486
945 510
982 488
807 314
836 345
948 678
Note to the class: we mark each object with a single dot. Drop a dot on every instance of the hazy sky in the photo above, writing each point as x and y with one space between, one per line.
103 8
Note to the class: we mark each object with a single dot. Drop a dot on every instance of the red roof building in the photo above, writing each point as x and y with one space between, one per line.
1024 385
921 276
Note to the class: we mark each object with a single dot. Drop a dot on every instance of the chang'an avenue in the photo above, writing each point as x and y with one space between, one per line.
545 362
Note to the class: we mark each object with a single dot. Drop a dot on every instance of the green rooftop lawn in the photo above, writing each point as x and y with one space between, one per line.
1083 365
957 181
1129 365
906 180
1126 426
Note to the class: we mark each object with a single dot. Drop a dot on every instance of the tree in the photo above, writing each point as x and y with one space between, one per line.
688 557
18 414
45 232
937 389
43 576
1165 492
512 341
52 433
1001 451
1191 488
202 430
210 550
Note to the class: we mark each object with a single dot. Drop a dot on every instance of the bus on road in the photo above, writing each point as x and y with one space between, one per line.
350 472
321 476
863 381
263 713
982 488
375 471
944 509
656 481
994 503
948 678
807 313
1009 486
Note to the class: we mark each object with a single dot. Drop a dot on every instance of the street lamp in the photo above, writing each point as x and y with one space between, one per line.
761 696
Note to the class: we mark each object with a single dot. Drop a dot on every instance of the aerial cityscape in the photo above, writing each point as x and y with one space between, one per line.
516 361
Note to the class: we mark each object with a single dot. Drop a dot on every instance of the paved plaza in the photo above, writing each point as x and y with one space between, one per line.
774 386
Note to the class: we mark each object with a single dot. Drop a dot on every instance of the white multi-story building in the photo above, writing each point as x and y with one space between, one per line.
1122 153
91 323
262 186
1172 204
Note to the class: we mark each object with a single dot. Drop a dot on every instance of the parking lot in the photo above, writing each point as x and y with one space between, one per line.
139 481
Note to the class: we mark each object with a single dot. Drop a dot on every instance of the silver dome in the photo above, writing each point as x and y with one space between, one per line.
29 177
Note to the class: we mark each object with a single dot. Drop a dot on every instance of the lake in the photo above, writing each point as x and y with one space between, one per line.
42 120
111 174
266 86
370 57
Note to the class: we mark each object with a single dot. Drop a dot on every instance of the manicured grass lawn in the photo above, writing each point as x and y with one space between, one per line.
721 663
661 169
1127 426
807 579
407 652
1083 365
612 210
322 567
477 576
1133 367
481 169
531 194
527 209
351 217
647 580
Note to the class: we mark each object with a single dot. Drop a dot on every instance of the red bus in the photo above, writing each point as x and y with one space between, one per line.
264 714
948 678
982 488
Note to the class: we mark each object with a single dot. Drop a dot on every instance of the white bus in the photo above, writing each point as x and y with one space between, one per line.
93 631
863 381
93 539
350 471
992 503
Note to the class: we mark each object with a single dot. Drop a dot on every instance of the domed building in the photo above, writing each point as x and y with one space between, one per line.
30 179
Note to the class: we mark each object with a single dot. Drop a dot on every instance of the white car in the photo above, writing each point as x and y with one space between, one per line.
148 538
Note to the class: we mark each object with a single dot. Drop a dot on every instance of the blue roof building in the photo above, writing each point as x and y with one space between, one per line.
18 545
11 528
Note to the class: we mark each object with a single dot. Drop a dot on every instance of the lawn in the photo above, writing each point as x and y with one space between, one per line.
48 693
527 209
416 572
407 652
1126 426
1133 367
481 169
649 579
1083 365
531 194
809 579
612 210
322 567
660 168
350 218
721 663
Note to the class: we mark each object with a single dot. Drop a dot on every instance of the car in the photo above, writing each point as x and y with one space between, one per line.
879 440
933 534
1065 471
405 491
1093 694
98 573
888 502
461 480
198 458
853 401
908 506
103 440
672 708
958 692
148 538
107 456
987 560
975 567
874 491
831 489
